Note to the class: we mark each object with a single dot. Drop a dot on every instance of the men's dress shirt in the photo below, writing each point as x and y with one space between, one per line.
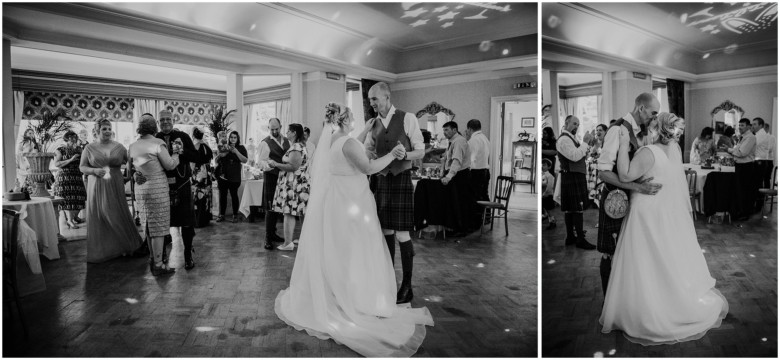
411 128
458 150
310 149
568 149
765 145
479 145
264 152
745 150
609 151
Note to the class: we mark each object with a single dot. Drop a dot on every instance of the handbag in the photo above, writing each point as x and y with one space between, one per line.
616 204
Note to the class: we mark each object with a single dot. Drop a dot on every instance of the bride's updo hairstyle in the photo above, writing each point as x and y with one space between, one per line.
337 114
664 128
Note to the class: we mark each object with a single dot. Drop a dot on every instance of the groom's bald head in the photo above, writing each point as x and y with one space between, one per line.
646 106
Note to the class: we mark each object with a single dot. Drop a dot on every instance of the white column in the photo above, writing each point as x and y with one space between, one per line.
297 101
9 150
235 100
553 100
606 98
318 91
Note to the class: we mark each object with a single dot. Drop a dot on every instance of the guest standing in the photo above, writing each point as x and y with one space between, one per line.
744 157
310 147
111 231
292 189
726 141
273 148
765 154
27 145
230 161
549 151
574 187
202 173
479 146
457 182
70 183
703 147
149 157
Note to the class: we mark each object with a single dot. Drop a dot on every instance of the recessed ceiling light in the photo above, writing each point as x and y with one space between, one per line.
369 52
505 52
706 56
683 18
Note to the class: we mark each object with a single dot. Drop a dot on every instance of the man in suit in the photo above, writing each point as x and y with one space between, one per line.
646 108
273 147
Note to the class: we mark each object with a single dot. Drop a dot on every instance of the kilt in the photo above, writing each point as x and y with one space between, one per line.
609 228
183 214
574 192
394 195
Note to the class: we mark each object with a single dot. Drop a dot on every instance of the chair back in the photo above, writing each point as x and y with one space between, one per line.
503 190
690 176
10 240
774 178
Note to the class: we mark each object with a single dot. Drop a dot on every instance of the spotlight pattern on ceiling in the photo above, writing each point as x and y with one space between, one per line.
419 14
746 18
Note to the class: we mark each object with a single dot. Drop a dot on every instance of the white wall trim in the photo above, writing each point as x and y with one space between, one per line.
485 70
750 76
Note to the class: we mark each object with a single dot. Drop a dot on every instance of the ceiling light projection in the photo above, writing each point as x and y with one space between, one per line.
421 13
742 18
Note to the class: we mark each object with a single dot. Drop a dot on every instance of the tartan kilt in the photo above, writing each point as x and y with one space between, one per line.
574 192
609 228
394 195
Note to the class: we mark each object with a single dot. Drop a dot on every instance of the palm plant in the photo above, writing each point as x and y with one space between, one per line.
50 128
219 120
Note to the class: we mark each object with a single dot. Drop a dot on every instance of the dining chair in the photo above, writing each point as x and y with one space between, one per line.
10 250
500 203
769 194
693 193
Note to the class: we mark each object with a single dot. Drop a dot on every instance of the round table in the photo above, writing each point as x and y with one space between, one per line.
43 220
701 177
251 196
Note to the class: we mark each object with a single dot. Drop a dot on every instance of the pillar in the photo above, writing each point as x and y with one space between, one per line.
9 150
235 100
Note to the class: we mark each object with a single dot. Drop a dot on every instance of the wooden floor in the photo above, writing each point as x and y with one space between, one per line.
743 262
482 293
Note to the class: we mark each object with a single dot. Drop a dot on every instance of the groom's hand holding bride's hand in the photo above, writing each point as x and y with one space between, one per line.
644 186
399 152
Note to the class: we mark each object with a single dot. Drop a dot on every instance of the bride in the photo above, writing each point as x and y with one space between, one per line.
660 290
343 284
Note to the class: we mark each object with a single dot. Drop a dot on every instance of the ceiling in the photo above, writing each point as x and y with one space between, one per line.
376 40
568 79
676 38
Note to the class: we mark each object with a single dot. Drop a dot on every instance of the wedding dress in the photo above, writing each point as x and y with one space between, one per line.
343 285
660 290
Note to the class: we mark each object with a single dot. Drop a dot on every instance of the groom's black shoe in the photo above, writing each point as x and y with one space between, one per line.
584 244
268 244
405 294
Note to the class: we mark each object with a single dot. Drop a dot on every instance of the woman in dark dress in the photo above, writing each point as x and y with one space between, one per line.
70 184
549 151
201 181
230 163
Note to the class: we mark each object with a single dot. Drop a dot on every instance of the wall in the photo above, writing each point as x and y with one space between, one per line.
467 100
755 99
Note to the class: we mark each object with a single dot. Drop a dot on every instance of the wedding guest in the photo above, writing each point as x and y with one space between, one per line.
574 187
111 231
726 140
479 146
70 183
548 190
273 148
765 153
230 162
594 185
744 157
149 157
202 172
292 189
310 147
27 145
703 146
549 150
457 165
546 118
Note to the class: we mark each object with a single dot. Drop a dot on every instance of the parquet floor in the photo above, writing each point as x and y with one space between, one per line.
743 262
481 291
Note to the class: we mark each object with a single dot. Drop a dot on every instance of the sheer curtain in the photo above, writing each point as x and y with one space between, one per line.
143 106
283 112
18 111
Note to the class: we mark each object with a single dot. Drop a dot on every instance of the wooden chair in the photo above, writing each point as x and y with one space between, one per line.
499 204
10 252
769 194
693 193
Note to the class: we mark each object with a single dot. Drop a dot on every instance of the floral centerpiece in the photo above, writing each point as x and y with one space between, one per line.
46 131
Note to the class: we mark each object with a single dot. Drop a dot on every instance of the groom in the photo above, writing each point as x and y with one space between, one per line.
646 108
393 190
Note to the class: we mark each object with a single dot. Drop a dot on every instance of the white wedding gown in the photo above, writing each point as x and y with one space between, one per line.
660 290
343 285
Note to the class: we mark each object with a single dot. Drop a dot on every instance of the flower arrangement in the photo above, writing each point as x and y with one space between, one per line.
50 128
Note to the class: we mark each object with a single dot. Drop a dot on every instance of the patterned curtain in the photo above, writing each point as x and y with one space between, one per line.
78 107
190 113
283 112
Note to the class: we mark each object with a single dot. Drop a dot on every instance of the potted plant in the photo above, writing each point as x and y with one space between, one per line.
46 130
219 121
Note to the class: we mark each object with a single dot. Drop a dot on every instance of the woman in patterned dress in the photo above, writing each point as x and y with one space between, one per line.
292 189
70 184
149 156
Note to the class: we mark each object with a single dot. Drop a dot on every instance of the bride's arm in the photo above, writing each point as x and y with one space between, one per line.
638 166
357 157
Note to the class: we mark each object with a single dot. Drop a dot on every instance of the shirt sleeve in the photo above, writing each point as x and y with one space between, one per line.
566 148
369 143
746 147
264 152
412 128
474 147
609 150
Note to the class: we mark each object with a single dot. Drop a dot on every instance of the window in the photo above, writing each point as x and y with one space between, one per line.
585 108
257 127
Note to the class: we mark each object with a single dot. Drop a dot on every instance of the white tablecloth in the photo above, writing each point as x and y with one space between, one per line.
43 220
251 196
701 177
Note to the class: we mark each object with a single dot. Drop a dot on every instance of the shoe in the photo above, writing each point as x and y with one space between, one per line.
70 224
405 294
161 270
295 241
289 247
277 238
220 218
584 244
235 219
551 225
189 264
78 220
268 245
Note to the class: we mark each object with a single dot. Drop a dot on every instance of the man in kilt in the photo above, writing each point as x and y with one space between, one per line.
574 184
646 108
392 186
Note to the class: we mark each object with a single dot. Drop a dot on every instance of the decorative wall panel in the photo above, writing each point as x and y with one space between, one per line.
191 113
78 107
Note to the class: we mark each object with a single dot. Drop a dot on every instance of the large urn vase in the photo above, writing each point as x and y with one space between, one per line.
39 172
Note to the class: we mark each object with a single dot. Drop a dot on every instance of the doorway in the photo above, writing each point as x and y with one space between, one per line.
514 147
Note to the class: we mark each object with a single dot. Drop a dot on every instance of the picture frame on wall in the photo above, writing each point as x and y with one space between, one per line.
720 126
527 122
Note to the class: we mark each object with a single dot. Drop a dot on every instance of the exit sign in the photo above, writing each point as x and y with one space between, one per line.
524 85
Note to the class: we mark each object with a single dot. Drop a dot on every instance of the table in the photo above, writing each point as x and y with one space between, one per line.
438 204
701 178
252 195
29 275
42 219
